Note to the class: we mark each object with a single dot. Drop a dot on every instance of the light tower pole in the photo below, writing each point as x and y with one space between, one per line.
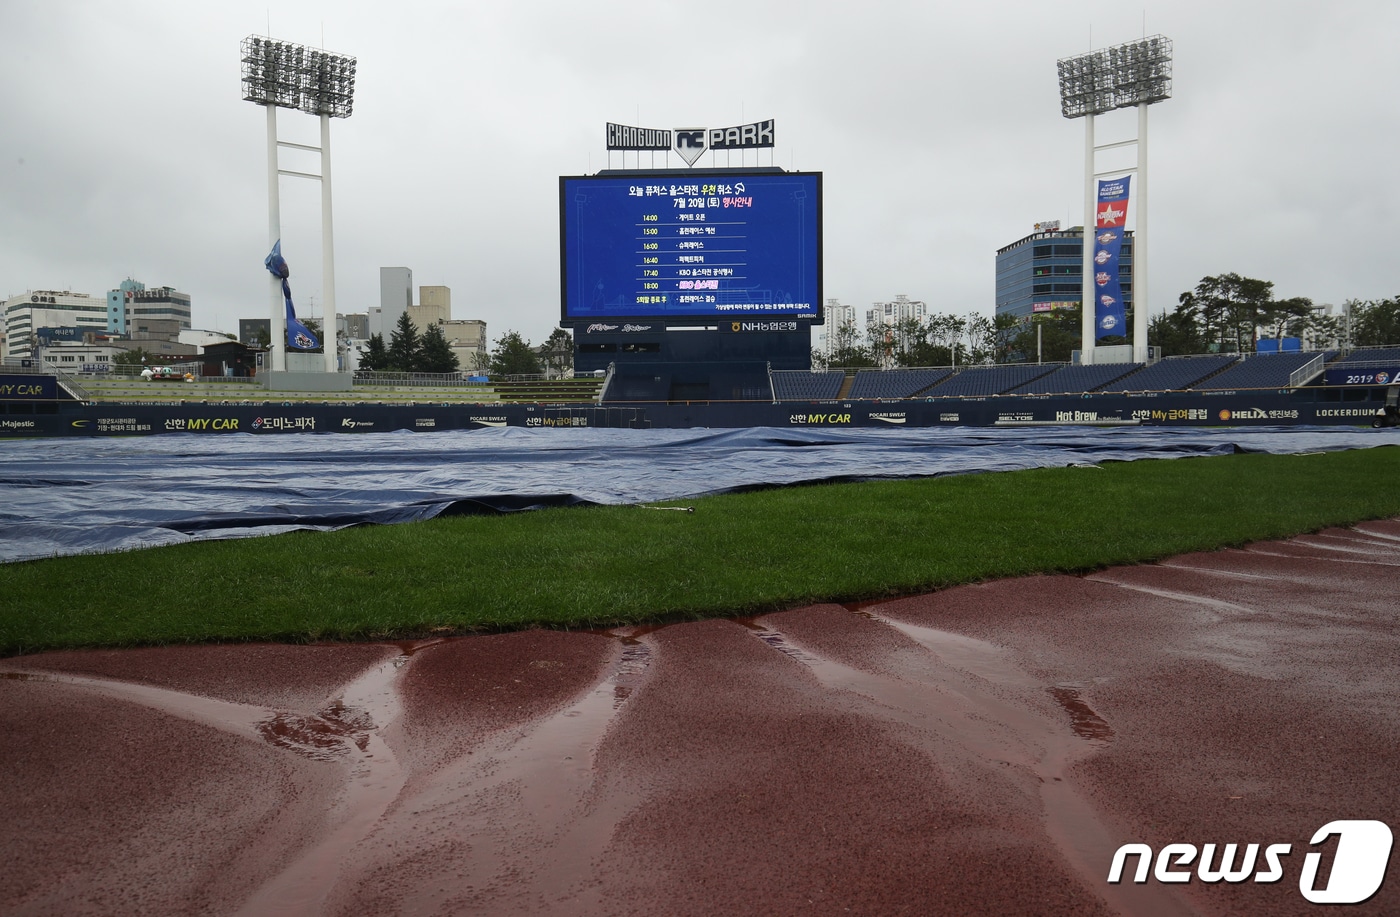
1134 74
283 74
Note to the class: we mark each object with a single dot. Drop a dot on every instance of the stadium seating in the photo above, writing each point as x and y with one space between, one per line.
989 380
1371 355
1070 378
1171 375
895 383
1270 370
800 385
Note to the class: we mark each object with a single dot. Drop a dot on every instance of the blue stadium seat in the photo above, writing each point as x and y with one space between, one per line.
1172 374
800 385
989 380
895 383
1269 370
1074 379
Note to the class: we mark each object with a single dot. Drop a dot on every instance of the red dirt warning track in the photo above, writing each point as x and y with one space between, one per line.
982 750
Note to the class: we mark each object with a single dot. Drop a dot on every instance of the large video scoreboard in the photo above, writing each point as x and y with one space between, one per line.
691 246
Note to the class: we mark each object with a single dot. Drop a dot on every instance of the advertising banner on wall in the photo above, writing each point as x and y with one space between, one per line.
1110 319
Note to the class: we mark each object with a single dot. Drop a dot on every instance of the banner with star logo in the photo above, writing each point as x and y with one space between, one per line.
1110 318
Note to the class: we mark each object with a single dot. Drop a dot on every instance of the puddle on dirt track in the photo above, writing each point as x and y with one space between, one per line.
520 821
1086 723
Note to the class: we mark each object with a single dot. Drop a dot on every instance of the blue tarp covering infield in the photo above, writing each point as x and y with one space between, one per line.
72 496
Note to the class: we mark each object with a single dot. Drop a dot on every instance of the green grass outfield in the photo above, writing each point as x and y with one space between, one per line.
735 554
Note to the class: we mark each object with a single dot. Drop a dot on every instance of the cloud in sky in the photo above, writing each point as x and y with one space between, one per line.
128 151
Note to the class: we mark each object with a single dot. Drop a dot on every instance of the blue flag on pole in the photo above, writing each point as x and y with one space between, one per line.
1110 318
299 337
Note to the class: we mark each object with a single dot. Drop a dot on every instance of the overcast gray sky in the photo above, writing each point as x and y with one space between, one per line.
128 151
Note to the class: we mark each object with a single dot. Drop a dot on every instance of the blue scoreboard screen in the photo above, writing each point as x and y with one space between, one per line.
693 246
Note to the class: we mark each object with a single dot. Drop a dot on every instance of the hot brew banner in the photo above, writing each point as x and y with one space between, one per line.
299 337
1110 319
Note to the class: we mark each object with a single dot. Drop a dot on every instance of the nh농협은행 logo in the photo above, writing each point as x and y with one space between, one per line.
1358 866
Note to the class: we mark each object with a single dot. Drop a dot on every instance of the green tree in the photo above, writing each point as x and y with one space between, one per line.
514 356
981 335
1282 316
1374 322
376 356
847 350
559 351
435 354
1060 334
134 357
1179 332
404 345
1231 309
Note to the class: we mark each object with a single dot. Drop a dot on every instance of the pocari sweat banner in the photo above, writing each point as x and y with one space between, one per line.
1110 319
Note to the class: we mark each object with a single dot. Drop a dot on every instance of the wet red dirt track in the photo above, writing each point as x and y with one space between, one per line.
982 750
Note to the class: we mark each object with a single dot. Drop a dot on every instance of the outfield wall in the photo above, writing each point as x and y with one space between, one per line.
1317 406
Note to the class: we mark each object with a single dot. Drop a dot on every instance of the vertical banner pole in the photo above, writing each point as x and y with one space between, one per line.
1086 346
328 335
1140 302
278 326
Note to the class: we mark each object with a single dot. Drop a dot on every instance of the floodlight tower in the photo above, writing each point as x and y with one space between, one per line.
1137 73
282 74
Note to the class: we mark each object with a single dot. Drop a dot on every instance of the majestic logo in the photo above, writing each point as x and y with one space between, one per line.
1103 256
1101 278
691 143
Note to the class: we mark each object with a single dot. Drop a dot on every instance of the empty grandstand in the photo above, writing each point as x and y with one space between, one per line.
989 380
1172 374
1258 371
1367 355
1077 378
896 383
801 385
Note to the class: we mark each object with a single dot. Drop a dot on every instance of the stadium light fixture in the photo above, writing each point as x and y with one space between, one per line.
1135 73
1131 75
284 74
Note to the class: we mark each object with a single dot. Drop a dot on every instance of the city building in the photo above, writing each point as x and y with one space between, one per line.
892 313
353 326
395 298
835 315
255 332
1044 271
132 307
28 313
467 338
434 307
